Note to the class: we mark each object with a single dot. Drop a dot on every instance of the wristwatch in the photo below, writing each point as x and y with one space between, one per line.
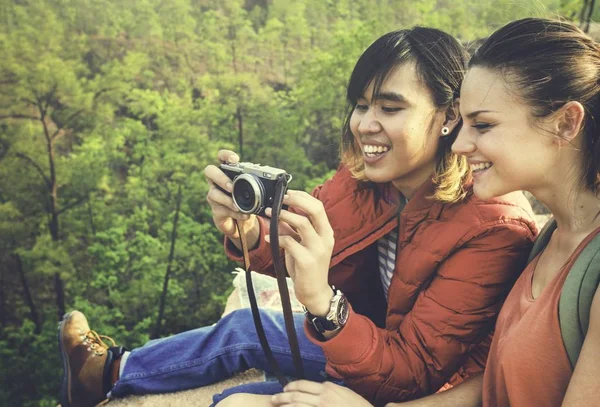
335 318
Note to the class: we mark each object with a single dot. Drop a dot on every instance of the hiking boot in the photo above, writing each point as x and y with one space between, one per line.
87 362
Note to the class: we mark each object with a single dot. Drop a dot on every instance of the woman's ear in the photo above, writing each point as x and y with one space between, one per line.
568 122
452 117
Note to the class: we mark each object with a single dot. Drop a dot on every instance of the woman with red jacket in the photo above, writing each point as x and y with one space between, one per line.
423 263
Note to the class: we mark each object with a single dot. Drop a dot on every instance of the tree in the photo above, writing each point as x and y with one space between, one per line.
587 10
50 94
163 297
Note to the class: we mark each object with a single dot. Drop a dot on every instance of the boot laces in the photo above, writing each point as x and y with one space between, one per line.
95 342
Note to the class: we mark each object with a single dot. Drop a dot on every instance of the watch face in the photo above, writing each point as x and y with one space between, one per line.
342 311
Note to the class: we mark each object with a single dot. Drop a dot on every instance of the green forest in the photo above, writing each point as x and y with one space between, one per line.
109 112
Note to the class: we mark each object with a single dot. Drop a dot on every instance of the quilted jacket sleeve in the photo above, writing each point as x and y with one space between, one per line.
448 320
260 257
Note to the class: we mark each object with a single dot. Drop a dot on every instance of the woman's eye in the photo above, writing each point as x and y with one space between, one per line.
390 109
361 108
481 126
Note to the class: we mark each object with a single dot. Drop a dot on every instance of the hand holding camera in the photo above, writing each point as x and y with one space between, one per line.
307 239
253 188
223 208
241 191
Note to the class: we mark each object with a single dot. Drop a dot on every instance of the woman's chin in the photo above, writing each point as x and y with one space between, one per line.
484 192
377 176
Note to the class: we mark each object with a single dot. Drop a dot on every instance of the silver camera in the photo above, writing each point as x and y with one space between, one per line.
253 186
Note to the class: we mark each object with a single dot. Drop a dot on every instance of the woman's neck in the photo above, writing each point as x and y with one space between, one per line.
576 209
405 191
409 184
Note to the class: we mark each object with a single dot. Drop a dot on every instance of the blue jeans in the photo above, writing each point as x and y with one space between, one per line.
207 355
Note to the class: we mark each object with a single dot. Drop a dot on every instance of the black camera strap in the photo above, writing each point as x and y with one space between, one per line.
280 272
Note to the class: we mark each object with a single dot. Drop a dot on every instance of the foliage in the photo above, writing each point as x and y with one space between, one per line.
110 110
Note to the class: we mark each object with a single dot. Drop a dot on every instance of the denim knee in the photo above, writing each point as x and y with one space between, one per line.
264 387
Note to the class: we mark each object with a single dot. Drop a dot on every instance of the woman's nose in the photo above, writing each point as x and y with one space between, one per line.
464 143
369 123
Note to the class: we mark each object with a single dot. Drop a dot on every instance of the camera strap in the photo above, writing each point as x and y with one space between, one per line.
280 273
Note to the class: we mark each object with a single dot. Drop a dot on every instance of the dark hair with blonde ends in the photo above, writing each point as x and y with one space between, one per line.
441 63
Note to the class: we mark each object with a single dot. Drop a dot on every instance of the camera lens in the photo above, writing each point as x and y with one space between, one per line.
248 193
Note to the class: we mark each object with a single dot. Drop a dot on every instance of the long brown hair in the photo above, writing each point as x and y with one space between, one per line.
548 63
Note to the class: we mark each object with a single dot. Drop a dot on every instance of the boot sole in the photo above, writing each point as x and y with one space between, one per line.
65 387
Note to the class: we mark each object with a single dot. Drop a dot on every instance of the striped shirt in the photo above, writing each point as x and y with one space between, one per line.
387 258
386 247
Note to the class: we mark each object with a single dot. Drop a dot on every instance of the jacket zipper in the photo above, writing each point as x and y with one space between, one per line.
364 237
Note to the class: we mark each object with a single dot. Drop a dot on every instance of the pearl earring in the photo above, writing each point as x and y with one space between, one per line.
445 131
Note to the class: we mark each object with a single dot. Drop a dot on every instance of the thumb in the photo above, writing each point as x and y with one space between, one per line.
290 246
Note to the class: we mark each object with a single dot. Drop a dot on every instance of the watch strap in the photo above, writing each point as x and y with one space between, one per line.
324 324
321 324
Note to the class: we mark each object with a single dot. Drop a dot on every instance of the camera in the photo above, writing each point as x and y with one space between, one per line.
254 186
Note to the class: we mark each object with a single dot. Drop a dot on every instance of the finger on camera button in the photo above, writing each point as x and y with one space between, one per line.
228 156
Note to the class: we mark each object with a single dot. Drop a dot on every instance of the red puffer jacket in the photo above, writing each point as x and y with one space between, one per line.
455 264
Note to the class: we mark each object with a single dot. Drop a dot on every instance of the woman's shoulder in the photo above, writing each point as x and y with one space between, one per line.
512 209
344 186
340 179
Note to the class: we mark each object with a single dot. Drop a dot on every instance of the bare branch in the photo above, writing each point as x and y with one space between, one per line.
38 104
36 166
49 96
101 91
46 132
57 133
73 204
74 115
9 79
31 102
18 116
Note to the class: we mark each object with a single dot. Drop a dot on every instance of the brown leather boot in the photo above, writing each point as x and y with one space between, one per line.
86 361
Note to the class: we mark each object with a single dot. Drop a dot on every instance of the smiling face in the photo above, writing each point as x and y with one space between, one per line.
504 148
398 130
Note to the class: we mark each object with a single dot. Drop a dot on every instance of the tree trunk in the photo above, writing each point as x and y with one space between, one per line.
53 225
199 280
2 312
27 293
52 187
59 290
285 72
583 12
588 21
163 296
233 37
91 216
240 120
